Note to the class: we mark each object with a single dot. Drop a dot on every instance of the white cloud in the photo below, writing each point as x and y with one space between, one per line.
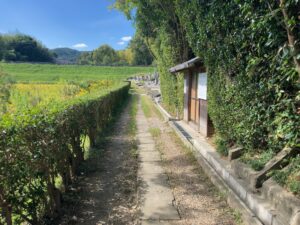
126 38
121 43
80 45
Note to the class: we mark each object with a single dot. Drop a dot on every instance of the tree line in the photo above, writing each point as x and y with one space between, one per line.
136 54
23 48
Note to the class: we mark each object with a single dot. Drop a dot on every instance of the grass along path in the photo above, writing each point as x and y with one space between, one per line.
106 193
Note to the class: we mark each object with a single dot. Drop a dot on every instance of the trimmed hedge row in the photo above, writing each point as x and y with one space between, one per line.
39 146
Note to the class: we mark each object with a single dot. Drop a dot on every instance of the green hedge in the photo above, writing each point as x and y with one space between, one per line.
253 69
41 145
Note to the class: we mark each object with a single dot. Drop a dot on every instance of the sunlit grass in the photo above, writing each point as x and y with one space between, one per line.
28 95
25 72
155 131
149 108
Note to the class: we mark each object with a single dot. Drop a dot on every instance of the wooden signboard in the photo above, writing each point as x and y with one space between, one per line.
202 86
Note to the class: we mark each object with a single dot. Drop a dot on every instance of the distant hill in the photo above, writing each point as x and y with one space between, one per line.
66 55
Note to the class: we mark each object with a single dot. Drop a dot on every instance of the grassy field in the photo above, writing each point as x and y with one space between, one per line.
24 72
24 96
41 84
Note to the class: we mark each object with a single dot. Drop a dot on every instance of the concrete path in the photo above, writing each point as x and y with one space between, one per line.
155 196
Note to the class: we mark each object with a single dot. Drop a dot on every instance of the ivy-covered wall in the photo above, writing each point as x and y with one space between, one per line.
171 86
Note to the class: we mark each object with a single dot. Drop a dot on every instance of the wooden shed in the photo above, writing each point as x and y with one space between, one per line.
195 95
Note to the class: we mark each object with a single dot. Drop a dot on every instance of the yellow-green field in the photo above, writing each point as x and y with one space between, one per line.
42 84
28 95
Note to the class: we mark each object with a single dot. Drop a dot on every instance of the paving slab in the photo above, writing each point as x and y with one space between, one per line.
151 168
157 199
146 146
144 135
147 150
155 195
155 179
149 156
145 141
156 222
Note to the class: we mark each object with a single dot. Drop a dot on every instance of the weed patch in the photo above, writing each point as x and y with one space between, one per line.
155 131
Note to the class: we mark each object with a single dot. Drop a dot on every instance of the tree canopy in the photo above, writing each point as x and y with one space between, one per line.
141 54
23 48
104 55
136 54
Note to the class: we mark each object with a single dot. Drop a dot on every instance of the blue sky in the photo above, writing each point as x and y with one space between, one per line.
79 24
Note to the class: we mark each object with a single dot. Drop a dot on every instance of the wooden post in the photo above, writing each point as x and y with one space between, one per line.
186 96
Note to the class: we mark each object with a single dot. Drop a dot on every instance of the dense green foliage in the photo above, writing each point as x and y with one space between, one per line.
158 23
104 55
5 89
85 59
289 176
23 48
140 51
251 52
253 80
43 145
53 73
66 55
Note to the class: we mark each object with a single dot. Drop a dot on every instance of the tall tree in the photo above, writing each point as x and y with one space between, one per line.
140 51
104 55
159 25
2 47
125 56
21 47
85 58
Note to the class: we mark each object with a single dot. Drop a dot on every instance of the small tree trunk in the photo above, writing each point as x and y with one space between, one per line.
291 36
6 208
7 211
92 137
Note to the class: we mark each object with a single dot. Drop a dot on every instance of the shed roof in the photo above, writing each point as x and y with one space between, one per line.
186 65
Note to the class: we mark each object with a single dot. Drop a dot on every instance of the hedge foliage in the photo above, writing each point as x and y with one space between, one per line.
41 145
253 68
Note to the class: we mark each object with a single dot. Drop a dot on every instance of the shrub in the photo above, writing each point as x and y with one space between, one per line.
222 146
5 89
40 145
289 176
